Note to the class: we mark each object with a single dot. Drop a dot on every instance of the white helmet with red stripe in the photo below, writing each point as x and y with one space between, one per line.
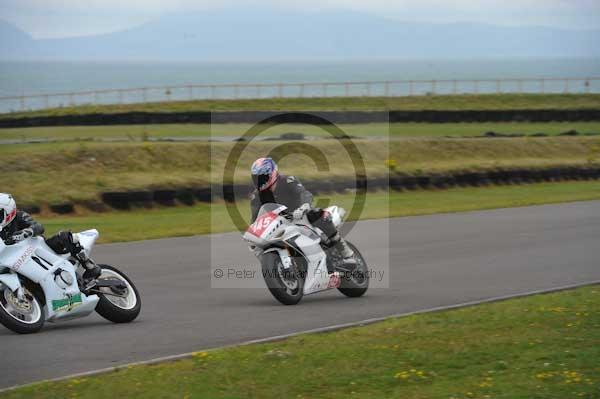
8 210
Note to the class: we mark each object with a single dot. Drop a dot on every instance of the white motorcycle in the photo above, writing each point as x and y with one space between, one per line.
294 260
37 285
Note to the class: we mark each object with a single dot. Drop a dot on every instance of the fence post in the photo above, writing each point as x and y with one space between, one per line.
586 84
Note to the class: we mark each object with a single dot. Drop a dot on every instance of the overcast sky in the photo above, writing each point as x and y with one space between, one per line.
61 18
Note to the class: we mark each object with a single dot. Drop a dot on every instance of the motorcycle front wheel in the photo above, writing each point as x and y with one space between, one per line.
114 305
23 316
285 285
356 282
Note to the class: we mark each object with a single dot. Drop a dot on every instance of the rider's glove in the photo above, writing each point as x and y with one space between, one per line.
27 219
22 235
301 211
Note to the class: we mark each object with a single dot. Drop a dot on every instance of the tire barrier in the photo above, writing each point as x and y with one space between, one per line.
127 200
186 196
232 192
94 205
379 183
165 197
144 198
62 209
117 200
346 117
32 209
204 194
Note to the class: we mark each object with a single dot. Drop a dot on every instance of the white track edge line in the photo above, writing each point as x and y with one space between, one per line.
311 331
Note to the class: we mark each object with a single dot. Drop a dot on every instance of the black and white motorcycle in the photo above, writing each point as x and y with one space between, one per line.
38 285
294 260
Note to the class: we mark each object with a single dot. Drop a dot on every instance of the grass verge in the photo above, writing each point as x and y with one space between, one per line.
416 103
185 221
544 346
196 131
79 172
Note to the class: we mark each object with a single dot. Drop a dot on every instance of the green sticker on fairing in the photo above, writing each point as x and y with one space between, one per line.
67 303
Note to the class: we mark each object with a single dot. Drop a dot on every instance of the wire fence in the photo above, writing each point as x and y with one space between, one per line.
298 90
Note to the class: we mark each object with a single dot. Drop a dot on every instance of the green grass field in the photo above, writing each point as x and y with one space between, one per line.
197 131
544 346
184 221
56 172
434 102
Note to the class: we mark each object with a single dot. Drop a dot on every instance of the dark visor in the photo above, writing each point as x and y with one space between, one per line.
260 180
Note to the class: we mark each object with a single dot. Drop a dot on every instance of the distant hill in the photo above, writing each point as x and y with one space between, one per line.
12 40
261 34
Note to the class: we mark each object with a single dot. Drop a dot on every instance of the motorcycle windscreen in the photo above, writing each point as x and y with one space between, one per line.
271 207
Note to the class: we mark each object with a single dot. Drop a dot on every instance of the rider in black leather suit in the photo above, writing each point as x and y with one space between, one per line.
289 191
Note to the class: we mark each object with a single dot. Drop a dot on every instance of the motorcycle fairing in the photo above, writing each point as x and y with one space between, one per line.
270 229
33 259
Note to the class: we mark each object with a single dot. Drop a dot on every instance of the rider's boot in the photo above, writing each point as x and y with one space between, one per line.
347 253
92 270
66 242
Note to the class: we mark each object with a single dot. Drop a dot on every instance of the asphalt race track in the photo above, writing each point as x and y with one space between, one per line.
435 260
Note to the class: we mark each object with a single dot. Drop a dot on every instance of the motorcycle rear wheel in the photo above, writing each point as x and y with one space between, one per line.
283 289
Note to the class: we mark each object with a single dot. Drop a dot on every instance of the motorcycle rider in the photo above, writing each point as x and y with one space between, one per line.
16 226
272 187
